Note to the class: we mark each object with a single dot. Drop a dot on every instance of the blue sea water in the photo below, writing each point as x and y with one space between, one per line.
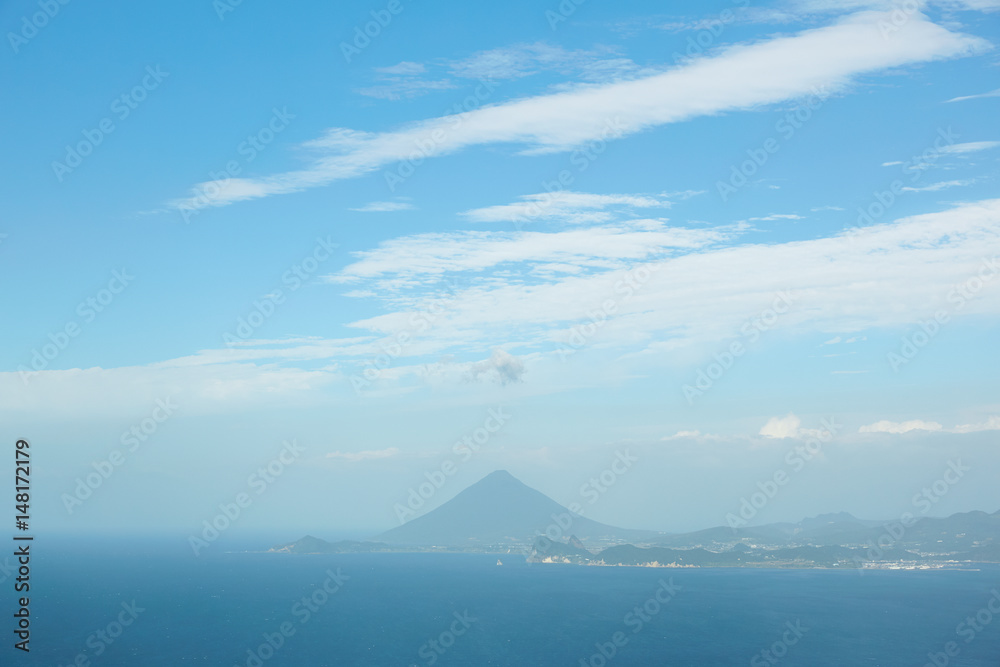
219 608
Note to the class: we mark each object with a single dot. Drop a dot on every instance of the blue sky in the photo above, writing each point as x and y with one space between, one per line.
693 230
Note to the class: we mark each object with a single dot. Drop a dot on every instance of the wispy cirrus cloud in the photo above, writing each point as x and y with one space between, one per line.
739 77
384 206
568 206
941 185
963 98
698 287
969 147
424 259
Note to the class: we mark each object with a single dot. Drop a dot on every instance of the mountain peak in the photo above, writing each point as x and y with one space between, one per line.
499 508
501 476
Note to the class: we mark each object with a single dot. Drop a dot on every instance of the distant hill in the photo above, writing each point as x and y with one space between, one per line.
314 545
499 509
954 534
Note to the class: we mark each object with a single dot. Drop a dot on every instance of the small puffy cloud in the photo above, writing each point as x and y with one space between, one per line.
354 457
886 426
832 341
682 435
782 427
502 367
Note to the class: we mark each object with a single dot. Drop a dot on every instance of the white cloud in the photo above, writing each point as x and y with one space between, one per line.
832 341
403 68
384 206
739 77
992 93
778 216
568 206
521 60
502 368
398 88
782 427
991 424
915 261
681 435
934 187
886 426
969 147
424 258
693 294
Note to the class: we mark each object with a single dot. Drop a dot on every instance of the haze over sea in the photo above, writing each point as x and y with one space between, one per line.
216 609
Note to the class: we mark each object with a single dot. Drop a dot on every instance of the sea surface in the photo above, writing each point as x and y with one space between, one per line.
221 607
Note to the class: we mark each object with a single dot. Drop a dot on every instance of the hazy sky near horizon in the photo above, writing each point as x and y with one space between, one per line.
688 231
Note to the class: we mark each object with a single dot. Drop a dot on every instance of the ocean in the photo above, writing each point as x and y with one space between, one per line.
151 604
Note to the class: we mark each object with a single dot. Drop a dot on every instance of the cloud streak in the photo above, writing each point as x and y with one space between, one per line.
739 77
